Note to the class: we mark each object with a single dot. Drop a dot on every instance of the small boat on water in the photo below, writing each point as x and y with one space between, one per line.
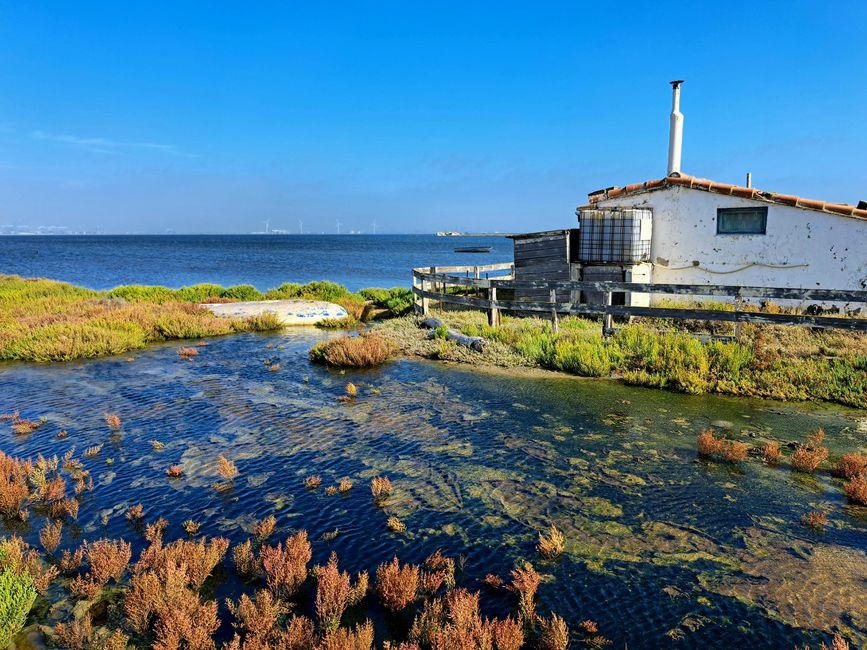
474 249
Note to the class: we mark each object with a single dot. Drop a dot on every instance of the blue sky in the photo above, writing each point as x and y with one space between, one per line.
211 117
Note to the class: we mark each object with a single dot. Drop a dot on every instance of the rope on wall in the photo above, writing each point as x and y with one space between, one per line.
738 270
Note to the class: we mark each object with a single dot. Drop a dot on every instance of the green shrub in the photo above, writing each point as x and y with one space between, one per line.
397 300
142 293
243 292
17 595
638 346
589 358
321 290
376 295
441 332
199 292
728 360
536 346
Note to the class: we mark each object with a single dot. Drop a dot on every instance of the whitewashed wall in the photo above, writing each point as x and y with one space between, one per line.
831 248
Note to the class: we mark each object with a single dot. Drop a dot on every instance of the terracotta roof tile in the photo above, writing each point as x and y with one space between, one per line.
812 204
691 182
744 192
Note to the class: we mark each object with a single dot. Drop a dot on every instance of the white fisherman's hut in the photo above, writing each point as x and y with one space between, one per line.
686 230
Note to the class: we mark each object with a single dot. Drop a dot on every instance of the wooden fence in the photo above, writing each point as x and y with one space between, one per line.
433 283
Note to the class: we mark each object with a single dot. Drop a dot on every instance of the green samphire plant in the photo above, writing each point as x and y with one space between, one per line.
16 598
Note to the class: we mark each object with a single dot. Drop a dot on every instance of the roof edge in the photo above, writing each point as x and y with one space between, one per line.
693 183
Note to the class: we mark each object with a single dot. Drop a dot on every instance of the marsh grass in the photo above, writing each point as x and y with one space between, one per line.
786 363
815 519
264 528
380 487
50 536
135 512
554 633
850 465
811 454
191 527
45 320
730 451
856 489
525 583
552 545
395 525
771 453
396 585
364 351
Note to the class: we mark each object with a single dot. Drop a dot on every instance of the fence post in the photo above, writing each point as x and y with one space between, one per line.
425 301
416 303
555 326
607 319
494 313
738 304
476 291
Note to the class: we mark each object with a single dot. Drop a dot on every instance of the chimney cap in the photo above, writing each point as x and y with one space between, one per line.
676 82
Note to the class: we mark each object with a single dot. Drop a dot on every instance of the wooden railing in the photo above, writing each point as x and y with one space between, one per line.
432 283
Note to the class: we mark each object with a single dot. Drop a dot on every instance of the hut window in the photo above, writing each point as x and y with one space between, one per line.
742 221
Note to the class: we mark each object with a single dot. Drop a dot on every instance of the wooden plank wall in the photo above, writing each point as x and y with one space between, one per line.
544 257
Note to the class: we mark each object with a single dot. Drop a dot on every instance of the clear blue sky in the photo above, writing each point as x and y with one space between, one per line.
211 117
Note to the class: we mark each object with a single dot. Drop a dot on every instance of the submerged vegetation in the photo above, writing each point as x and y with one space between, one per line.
787 363
161 600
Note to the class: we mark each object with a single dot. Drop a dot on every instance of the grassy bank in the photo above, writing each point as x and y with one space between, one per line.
46 320
787 363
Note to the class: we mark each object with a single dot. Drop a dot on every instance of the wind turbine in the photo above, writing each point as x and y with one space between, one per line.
267 223
300 227
338 226
374 226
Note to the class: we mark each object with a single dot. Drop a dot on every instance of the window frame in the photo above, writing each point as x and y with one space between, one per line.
761 209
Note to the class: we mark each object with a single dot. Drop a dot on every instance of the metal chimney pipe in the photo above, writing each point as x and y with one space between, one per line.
749 179
675 138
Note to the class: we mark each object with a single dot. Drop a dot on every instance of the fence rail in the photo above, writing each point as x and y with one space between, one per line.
432 283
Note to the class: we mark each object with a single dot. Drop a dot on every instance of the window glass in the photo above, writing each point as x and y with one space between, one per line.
741 221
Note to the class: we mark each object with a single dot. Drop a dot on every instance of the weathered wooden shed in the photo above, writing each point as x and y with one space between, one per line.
545 257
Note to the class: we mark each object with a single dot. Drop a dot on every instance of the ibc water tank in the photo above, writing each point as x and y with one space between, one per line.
614 235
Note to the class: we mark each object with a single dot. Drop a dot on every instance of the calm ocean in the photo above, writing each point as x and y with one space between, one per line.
265 261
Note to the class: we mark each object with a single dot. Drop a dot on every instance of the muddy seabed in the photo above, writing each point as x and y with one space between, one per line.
663 549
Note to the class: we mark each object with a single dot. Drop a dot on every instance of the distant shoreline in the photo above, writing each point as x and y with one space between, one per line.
254 234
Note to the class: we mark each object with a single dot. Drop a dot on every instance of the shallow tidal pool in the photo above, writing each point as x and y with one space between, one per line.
663 549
